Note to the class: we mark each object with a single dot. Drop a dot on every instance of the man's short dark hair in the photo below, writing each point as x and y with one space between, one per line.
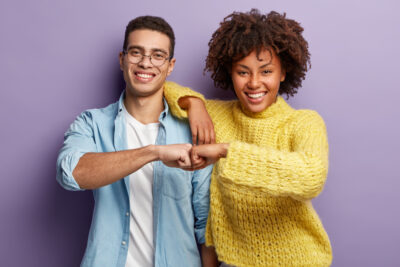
151 23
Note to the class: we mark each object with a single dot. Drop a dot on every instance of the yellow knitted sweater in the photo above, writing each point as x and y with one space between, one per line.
260 208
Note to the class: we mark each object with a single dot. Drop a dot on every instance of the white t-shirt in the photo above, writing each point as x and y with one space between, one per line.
141 244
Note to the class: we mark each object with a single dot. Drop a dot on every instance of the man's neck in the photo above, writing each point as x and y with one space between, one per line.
145 109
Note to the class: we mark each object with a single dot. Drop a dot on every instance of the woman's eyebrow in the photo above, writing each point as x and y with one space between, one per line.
243 66
263 66
266 65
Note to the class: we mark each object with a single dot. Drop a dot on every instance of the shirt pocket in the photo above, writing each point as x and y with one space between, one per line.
177 183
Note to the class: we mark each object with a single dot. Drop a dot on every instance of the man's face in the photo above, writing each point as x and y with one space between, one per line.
143 79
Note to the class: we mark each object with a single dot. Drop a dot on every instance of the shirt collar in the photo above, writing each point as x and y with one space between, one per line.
120 102
163 113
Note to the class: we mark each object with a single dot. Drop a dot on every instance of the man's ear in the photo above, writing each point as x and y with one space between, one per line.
171 66
121 60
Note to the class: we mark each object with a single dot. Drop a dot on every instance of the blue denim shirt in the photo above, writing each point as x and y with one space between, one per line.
180 198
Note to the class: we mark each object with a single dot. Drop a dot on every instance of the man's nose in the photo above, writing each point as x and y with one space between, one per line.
145 62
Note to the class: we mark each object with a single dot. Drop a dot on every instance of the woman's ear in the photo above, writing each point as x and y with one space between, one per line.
283 74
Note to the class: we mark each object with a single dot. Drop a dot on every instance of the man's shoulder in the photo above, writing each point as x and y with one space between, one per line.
108 112
102 118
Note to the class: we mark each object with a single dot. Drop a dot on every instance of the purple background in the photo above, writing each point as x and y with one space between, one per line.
58 59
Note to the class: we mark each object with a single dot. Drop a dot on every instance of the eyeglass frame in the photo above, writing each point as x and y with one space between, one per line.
125 52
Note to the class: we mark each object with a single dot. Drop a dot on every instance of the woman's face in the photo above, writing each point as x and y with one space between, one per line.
256 80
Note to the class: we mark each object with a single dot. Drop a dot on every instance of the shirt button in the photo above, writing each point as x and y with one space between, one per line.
127 214
123 243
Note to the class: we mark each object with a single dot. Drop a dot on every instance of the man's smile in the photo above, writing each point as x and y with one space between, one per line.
144 76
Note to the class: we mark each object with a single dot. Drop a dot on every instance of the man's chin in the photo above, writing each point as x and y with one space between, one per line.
144 92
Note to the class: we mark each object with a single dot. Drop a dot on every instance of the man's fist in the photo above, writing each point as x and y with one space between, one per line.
177 156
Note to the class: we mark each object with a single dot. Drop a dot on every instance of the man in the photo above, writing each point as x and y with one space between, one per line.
146 213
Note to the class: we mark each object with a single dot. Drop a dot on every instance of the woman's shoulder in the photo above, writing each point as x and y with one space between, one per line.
306 113
214 105
307 118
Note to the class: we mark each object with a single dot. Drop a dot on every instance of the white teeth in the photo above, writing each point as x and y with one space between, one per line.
256 95
143 75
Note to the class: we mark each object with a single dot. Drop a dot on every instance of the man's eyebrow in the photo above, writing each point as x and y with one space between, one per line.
142 49
159 50
135 47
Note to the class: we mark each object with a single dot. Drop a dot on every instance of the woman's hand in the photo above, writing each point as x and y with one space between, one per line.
204 155
200 121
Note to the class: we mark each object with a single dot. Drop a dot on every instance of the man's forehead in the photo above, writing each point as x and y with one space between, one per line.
148 40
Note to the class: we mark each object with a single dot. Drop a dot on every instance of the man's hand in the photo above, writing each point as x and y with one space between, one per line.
177 156
204 155
200 121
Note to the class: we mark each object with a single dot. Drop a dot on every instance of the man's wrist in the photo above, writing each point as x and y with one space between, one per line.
154 151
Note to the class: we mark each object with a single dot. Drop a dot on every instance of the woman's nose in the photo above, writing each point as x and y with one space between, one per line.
254 82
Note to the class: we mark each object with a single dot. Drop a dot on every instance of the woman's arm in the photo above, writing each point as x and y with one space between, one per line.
200 121
300 173
208 256
186 103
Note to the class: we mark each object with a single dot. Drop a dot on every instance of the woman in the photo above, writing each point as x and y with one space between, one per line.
271 159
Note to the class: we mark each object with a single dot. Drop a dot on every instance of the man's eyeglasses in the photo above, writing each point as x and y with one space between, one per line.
157 58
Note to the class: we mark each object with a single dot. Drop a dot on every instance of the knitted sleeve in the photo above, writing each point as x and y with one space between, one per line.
300 173
216 108
172 93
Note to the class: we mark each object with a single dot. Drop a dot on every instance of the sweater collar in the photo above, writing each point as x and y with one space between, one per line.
276 108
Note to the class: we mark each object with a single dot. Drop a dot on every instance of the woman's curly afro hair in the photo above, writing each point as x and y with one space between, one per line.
241 33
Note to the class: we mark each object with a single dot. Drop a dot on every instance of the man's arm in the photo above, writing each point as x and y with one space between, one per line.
81 166
98 169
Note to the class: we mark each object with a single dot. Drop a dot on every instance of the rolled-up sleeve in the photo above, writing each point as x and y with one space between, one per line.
78 140
201 201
